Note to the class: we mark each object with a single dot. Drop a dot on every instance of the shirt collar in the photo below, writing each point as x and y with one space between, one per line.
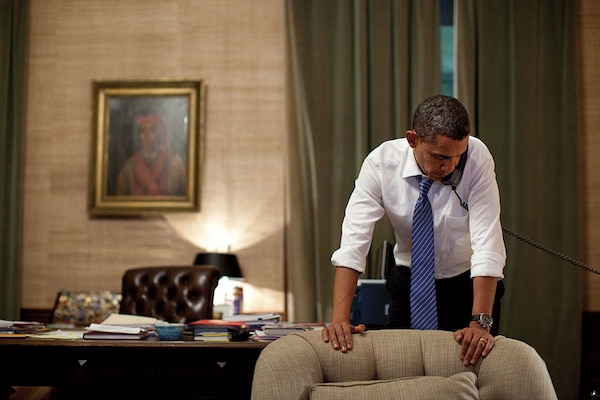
411 168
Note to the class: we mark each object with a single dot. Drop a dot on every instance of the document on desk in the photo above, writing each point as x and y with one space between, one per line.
136 321
255 318
60 334
19 327
103 331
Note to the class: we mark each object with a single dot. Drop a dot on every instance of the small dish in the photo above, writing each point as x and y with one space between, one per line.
169 331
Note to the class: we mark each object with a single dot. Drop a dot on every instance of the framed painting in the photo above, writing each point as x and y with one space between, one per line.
145 154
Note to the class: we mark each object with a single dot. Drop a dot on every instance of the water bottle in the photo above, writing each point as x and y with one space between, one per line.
238 299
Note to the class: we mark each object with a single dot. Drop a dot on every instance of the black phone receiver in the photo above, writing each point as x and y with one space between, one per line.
453 178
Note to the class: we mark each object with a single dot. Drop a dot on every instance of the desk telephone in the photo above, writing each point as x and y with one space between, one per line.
453 179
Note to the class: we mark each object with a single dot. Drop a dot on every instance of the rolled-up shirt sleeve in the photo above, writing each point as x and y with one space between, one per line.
363 210
487 242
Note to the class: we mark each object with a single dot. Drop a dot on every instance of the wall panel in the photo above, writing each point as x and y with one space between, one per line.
237 48
588 37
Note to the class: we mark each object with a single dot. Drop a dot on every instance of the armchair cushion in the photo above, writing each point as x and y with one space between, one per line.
461 386
171 293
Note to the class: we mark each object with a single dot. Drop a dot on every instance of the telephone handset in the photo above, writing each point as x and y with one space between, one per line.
453 180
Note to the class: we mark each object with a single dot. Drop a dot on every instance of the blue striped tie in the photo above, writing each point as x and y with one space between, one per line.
422 284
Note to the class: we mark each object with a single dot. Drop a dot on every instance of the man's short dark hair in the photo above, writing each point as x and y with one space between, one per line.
443 115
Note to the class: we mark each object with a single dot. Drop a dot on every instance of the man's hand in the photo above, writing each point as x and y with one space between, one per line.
475 342
339 334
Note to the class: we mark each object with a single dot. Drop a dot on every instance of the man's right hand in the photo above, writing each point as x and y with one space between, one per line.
339 334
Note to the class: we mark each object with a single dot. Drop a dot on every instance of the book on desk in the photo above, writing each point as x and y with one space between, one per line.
218 330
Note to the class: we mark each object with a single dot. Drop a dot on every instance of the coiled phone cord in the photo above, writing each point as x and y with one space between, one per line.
551 251
535 244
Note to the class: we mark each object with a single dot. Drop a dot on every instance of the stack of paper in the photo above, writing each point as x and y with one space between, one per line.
135 321
122 326
19 327
273 332
256 320
103 331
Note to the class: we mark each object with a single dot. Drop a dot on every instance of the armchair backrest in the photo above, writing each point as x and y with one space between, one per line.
397 364
170 293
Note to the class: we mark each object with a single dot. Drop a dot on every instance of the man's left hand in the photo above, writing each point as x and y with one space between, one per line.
475 342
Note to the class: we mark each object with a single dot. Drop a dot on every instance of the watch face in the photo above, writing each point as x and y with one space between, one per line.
485 320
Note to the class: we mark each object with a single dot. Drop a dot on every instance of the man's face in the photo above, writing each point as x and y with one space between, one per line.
150 128
439 157
148 136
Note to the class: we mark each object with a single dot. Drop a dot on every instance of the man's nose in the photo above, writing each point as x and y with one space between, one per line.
449 164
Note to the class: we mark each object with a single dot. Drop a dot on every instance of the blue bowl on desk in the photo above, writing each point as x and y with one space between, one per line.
169 331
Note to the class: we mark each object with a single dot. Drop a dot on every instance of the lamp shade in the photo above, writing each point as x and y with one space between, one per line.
226 263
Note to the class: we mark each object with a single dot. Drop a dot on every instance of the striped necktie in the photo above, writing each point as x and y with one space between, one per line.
422 284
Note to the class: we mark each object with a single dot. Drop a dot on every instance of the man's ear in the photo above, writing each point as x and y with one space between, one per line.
411 137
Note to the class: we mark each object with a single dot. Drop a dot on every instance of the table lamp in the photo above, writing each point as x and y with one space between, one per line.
228 299
226 263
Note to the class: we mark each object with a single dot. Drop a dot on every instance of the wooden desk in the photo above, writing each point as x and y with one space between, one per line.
115 369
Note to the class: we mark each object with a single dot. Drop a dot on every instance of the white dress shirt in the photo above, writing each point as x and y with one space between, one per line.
387 184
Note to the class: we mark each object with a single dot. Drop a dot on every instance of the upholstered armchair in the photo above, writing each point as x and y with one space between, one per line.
397 364
171 293
83 307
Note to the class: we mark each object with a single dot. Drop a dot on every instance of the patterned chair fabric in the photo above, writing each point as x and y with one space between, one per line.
81 307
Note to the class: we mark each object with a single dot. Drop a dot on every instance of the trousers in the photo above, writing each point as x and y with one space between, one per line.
454 298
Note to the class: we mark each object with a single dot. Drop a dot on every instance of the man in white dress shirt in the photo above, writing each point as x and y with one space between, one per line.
469 247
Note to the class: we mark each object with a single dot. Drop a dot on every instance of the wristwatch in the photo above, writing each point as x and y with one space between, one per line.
485 320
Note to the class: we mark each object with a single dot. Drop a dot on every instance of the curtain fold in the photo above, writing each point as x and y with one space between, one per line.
13 69
516 71
357 70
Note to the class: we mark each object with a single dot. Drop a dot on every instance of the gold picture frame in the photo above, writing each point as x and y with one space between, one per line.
146 147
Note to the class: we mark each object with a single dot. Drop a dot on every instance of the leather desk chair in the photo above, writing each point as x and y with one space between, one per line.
171 293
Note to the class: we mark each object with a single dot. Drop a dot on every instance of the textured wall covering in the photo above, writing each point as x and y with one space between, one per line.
237 48
588 36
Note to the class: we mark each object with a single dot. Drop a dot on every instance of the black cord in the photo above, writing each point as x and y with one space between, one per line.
550 251
535 244
462 203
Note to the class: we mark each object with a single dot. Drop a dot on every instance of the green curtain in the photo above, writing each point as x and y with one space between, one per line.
517 74
357 70
13 76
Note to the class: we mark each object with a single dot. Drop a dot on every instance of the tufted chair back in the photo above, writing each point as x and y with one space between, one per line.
170 293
